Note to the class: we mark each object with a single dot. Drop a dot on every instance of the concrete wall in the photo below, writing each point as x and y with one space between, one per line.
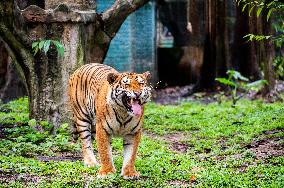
134 46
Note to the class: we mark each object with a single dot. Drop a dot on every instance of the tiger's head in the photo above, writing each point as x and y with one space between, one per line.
130 91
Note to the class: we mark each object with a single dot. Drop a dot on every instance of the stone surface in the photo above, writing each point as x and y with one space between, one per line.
133 48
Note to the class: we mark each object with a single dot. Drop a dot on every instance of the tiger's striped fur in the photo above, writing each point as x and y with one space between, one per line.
108 103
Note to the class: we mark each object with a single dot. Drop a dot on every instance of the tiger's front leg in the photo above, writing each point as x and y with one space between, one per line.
130 147
103 140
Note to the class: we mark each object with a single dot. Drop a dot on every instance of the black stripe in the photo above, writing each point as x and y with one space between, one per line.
84 120
86 137
76 97
116 117
106 131
100 71
126 144
114 99
136 125
86 72
78 132
118 104
108 124
88 79
127 121
83 125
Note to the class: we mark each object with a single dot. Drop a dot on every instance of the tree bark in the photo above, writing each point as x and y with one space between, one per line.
85 35
244 53
215 46
268 53
195 49
208 69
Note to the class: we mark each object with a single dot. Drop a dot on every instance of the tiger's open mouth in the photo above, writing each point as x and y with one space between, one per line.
132 104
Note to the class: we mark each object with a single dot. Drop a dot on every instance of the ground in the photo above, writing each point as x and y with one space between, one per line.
189 144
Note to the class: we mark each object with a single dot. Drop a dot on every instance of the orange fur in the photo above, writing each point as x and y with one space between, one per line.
112 104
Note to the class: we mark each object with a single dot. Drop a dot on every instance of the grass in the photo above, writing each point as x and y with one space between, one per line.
217 144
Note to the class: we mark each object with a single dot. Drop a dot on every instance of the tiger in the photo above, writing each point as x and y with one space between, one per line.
106 103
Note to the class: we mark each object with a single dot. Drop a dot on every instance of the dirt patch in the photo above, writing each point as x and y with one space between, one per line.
27 178
176 143
170 95
62 156
268 147
179 147
175 140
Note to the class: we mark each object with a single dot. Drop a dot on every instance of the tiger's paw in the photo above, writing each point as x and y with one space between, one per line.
91 163
130 174
104 172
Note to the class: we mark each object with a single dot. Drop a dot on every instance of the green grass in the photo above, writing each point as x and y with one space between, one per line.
215 135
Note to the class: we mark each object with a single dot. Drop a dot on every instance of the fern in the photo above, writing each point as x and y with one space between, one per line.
44 45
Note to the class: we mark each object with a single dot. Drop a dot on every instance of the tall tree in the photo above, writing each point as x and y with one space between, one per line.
193 57
268 51
245 53
215 58
85 34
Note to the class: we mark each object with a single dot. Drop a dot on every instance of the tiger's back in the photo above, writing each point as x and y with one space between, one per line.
84 85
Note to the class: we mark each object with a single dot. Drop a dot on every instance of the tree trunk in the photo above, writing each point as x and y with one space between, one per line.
222 41
216 45
268 53
244 53
208 69
11 83
11 86
4 58
195 49
85 35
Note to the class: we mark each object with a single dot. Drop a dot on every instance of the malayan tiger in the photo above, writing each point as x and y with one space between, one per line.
106 103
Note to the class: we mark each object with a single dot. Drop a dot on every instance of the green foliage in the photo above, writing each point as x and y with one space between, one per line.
236 81
252 37
273 6
213 134
278 64
44 45
15 112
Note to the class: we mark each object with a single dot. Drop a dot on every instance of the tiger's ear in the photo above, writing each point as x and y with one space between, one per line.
111 77
147 75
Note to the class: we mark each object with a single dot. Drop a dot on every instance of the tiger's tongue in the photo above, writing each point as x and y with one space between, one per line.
136 108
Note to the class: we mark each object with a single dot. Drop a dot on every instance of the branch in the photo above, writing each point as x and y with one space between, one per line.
113 18
20 55
11 23
16 46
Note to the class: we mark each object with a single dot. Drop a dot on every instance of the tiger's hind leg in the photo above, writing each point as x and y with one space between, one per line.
84 130
75 134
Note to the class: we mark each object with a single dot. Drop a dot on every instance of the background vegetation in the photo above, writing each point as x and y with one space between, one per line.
192 143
